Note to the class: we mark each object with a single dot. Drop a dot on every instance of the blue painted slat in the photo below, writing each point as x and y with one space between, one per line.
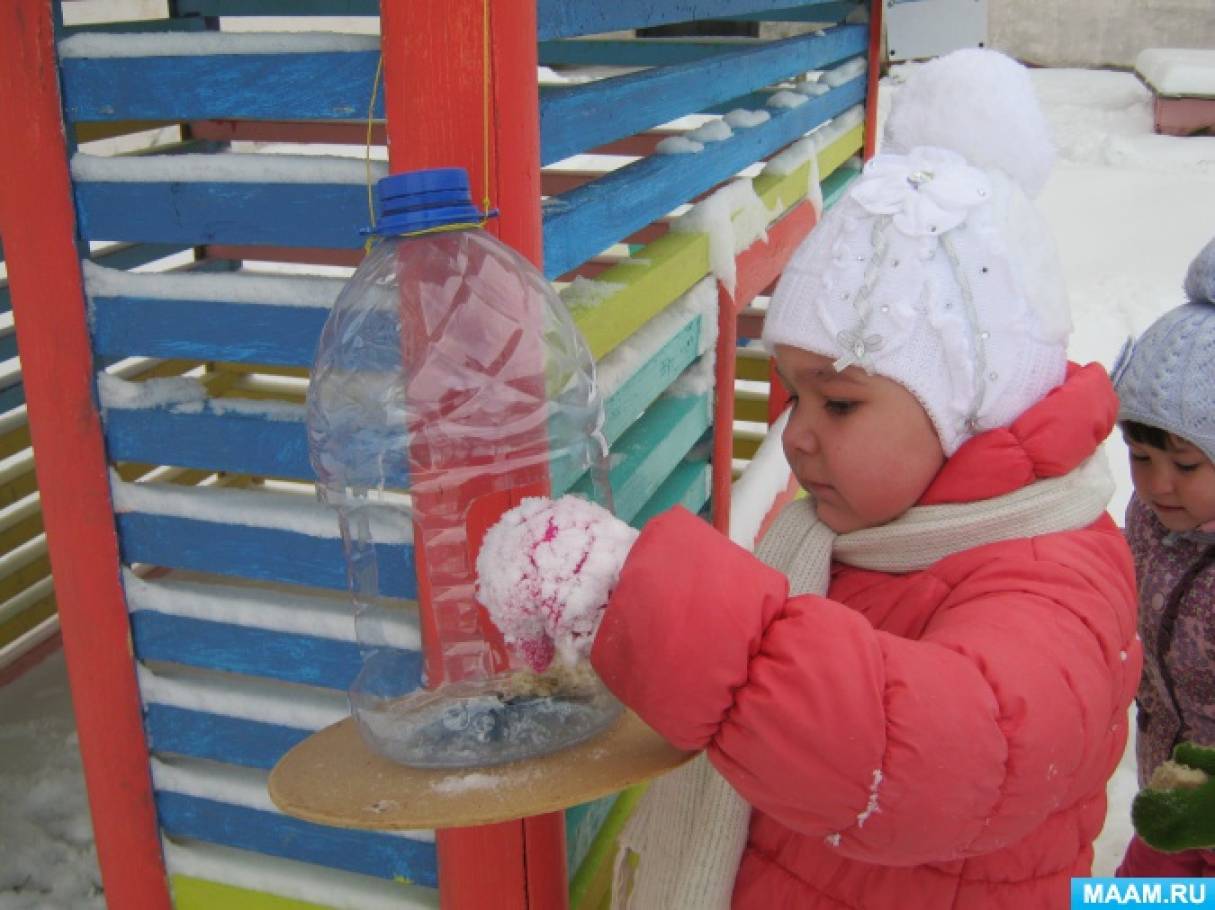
267 554
629 52
235 443
137 25
12 397
814 12
6 299
194 213
233 740
306 659
590 218
131 255
582 117
570 18
206 330
289 86
278 835
8 346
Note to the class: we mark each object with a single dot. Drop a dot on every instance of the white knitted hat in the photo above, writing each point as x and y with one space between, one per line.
935 270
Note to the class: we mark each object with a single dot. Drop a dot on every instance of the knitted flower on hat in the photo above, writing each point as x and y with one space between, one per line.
935 270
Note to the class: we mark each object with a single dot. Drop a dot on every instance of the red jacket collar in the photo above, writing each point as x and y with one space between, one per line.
1048 440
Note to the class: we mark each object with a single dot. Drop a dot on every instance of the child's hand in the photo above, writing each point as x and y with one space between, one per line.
545 572
1177 809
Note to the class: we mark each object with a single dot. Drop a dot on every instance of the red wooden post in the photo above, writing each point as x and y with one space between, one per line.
875 75
434 98
38 220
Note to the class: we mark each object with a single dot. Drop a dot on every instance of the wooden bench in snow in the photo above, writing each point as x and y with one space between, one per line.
1183 83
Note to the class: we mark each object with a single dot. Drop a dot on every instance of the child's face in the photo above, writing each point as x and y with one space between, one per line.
861 445
1177 483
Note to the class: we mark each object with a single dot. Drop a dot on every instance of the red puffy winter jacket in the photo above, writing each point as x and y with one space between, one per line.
990 690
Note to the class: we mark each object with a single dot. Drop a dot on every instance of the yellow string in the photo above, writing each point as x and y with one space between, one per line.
375 86
486 89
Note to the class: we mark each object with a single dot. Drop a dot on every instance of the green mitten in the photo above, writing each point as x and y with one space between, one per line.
1176 811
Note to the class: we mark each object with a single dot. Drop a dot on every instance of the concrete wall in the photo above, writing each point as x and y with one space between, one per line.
1097 32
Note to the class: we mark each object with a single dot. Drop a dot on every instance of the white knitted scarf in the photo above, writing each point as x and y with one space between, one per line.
689 830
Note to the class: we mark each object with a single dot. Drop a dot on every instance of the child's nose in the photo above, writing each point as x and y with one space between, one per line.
801 434
1160 481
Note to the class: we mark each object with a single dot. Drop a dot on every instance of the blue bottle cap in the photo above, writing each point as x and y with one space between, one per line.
416 200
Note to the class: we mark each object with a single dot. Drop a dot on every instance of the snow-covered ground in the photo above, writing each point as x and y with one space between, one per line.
1130 209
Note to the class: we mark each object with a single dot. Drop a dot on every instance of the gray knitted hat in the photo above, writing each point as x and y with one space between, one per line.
1166 378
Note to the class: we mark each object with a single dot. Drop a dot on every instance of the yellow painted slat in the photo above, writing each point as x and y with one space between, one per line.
745 446
200 894
750 407
754 369
672 264
17 533
15 441
13 628
839 151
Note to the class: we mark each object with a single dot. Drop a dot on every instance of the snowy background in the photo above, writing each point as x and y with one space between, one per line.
1129 209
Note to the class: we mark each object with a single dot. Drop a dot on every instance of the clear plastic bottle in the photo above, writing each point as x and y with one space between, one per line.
449 379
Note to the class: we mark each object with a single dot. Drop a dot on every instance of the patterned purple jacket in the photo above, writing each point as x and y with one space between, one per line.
1176 577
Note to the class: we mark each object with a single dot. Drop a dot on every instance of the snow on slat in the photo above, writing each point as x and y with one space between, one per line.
262 608
582 117
582 222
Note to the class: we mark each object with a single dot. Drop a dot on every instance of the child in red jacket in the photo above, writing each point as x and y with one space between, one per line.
914 697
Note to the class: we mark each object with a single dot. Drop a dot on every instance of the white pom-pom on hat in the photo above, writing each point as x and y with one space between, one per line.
980 104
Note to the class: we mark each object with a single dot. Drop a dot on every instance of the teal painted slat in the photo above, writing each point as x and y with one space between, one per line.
570 18
584 221
139 26
289 86
195 213
582 117
637 393
6 298
582 823
836 183
278 7
264 554
651 449
688 486
8 345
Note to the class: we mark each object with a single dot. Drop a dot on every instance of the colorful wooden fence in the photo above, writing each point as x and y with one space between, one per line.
167 407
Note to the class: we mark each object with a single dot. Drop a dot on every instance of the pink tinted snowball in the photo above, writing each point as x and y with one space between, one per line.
545 572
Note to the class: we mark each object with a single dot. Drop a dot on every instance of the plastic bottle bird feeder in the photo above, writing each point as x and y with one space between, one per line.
449 383
449 375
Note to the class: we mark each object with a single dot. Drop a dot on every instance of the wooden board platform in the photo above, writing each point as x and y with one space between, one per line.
333 778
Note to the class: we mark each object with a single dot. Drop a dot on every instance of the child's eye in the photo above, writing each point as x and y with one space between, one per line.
1186 468
1135 456
839 406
